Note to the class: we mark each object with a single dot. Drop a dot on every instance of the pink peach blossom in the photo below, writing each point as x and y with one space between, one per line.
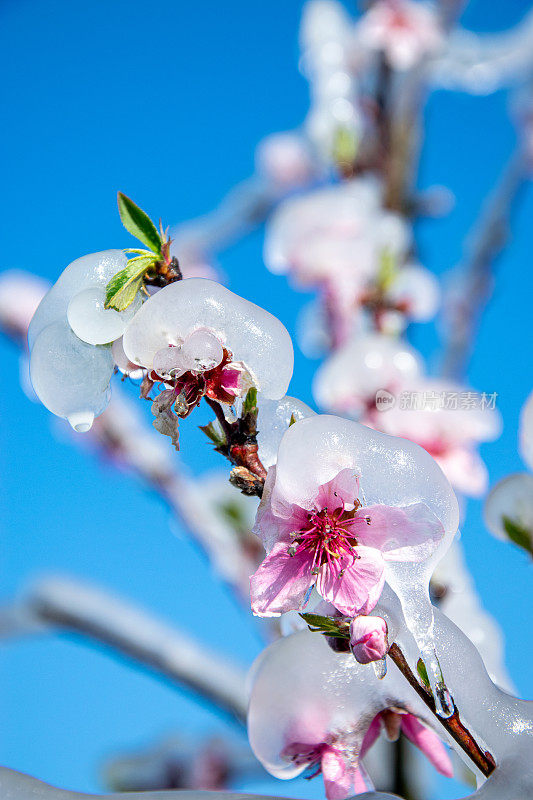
368 638
337 544
340 766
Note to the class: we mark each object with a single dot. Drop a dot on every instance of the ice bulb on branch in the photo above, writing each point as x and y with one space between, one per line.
285 160
367 508
312 707
69 375
198 318
92 322
338 231
93 271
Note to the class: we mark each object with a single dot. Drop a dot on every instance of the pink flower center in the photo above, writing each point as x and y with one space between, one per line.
328 534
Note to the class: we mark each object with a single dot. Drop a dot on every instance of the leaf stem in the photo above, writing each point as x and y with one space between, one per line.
483 760
242 450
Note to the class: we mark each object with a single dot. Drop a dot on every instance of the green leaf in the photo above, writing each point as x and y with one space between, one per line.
423 673
518 533
121 290
329 626
387 270
345 146
213 433
292 420
233 514
249 405
138 223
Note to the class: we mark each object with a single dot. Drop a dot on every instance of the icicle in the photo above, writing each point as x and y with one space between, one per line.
412 587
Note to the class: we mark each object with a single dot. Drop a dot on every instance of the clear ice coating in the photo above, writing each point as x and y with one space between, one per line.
202 350
92 322
254 336
70 376
300 690
392 472
349 379
93 270
273 420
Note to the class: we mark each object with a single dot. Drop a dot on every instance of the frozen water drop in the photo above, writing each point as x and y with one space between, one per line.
92 322
170 361
202 350
81 421
380 668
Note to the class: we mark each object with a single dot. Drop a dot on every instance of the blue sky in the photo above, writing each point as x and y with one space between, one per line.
166 102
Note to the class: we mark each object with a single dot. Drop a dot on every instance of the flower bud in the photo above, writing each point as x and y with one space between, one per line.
368 639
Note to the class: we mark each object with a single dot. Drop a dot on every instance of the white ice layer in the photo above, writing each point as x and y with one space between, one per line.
254 336
69 376
462 604
273 420
300 690
419 288
92 322
340 230
392 472
91 271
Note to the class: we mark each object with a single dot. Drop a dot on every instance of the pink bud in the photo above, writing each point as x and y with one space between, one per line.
368 639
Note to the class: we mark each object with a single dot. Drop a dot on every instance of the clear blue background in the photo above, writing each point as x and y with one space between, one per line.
166 101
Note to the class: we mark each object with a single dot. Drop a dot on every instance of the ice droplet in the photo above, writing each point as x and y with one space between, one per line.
202 350
380 668
412 587
92 322
70 377
169 361
81 421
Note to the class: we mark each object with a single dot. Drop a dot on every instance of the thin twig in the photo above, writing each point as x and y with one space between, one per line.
16 786
453 725
472 283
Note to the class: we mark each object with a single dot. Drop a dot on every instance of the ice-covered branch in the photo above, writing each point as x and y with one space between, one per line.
16 786
483 63
472 282
70 605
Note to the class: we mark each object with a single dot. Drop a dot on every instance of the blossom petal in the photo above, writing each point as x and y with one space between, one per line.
429 743
337 777
407 533
358 589
371 735
342 490
281 582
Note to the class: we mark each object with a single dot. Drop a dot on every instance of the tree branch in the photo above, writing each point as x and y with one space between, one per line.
472 282
69 605
453 725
